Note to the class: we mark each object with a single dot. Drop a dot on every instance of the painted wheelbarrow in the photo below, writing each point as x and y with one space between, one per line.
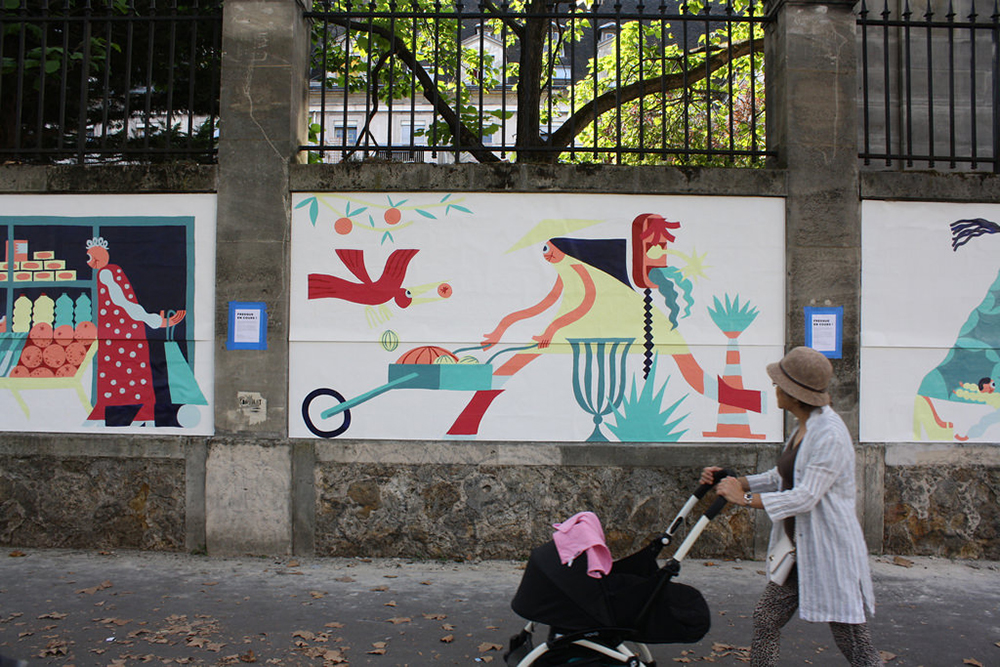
425 367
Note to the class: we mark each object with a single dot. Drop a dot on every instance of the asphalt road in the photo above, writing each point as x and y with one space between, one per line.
87 608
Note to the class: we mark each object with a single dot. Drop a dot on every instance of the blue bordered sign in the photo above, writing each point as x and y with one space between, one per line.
247 326
825 330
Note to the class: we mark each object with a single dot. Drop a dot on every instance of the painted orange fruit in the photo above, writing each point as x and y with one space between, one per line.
392 216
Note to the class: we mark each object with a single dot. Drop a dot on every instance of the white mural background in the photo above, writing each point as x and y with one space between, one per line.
917 295
63 409
484 253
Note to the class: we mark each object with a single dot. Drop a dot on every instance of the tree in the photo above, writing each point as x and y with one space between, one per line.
689 81
108 78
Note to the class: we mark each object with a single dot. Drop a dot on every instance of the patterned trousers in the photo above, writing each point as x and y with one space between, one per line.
777 606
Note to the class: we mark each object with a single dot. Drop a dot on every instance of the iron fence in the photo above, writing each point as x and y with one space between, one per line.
538 81
86 81
930 84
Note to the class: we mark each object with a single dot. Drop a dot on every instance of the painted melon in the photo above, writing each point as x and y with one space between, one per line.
426 354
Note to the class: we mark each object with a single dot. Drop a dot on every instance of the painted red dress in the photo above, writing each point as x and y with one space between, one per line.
123 374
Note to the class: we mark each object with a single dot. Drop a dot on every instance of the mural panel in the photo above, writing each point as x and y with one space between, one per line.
930 322
106 313
535 317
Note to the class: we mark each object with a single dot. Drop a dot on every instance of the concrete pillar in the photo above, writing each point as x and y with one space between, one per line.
263 122
812 123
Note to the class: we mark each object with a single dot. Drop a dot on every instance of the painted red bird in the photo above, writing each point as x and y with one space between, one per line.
368 292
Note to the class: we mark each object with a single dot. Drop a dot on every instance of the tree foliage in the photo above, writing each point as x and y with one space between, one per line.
105 77
685 86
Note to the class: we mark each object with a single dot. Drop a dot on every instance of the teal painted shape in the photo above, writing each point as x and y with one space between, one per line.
975 354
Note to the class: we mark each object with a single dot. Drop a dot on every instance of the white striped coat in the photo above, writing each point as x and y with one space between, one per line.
834 577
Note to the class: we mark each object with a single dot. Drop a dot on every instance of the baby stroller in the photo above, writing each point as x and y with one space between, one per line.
609 621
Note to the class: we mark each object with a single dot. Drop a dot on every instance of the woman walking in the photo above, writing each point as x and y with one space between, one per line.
810 497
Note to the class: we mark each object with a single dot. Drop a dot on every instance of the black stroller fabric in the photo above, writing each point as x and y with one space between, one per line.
567 599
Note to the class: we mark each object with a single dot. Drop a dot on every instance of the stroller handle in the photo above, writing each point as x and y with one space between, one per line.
719 476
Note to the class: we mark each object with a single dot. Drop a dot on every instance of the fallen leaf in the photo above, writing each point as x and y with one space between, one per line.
447 639
973 662
93 589
293 563
447 626
435 617
334 624
248 657
379 588
390 603
399 619
489 646
17 554
390 576
53 615
887 656
304 634
426 583
902 562
210 583
346 580
317 594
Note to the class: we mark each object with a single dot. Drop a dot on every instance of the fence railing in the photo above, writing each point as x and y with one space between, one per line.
422 80
87 81
930 85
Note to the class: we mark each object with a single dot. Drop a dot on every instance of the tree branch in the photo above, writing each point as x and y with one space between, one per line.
583 116
467 139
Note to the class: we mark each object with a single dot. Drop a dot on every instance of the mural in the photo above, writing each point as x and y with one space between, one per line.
931 322
100 325
535 317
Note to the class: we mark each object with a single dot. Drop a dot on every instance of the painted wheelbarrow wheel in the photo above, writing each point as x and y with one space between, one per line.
313 395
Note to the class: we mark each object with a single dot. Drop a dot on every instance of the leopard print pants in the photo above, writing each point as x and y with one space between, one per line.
777 606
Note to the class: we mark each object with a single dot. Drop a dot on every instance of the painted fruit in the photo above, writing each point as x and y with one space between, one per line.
343 226
425 354
64 334
20 372
66 371
75 352
392 216
389 340
41 334
86 332
444 290
54 356
43 372
31 357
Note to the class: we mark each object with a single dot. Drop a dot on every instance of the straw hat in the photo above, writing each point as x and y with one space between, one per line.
804 374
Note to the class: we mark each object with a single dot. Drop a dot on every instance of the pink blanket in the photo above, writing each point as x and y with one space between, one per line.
582 533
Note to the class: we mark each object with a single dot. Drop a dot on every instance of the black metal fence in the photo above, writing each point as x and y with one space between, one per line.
87 81
536 81
930 85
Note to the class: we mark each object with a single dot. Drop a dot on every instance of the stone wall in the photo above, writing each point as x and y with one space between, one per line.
943 503
92 502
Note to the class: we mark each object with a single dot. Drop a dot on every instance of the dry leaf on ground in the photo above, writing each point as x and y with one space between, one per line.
489 646
447 639
396 620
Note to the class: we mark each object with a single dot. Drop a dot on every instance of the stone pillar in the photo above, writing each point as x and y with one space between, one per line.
263 122
812 123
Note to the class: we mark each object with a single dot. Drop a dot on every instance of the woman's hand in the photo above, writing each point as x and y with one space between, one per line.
708 475
730 489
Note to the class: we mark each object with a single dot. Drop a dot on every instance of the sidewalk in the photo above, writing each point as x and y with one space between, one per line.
132 608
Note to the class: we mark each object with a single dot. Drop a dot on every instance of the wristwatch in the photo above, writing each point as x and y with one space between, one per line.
747 498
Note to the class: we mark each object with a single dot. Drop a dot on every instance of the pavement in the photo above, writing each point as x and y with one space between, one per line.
89 608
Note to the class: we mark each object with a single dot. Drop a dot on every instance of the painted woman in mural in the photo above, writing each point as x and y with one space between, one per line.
125 391
597 300
973 359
